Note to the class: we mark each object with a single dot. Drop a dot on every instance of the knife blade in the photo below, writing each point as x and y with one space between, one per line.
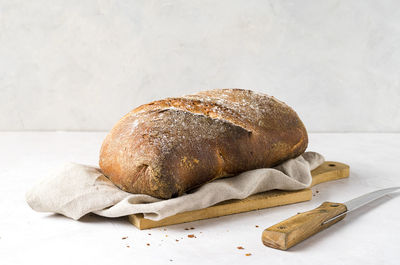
303 225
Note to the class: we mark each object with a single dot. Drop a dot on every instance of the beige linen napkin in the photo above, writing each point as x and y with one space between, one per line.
76 190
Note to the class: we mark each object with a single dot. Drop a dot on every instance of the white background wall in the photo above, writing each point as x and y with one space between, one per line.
81 65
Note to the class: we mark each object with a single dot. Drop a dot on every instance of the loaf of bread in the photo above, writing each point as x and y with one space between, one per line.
168 147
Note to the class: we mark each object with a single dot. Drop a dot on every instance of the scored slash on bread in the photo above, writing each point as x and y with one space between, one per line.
168 147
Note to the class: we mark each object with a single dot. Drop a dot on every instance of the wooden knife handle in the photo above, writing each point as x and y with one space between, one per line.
303 225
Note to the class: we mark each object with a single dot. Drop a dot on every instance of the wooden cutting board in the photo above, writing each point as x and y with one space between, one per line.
328 171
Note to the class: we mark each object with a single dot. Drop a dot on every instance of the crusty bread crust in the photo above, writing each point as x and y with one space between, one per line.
167 147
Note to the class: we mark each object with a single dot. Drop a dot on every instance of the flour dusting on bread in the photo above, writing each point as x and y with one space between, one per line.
169 146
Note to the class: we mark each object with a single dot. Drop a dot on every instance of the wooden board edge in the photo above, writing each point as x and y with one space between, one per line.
328 171
255 202
136 220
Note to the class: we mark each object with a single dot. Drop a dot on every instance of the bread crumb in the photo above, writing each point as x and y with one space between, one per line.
176 240
148 244
257 226
248 254
125 237
128 246
240 247
149 234
191 236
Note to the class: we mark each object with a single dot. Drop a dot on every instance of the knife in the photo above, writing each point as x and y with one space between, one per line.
303 225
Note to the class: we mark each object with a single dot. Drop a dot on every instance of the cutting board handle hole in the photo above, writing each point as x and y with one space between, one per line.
331 165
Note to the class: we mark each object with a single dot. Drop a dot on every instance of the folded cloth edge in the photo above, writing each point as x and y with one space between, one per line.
76 190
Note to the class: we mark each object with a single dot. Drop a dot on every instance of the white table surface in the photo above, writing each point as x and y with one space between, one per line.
370 235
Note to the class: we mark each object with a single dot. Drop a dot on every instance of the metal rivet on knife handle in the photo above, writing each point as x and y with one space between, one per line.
303 225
